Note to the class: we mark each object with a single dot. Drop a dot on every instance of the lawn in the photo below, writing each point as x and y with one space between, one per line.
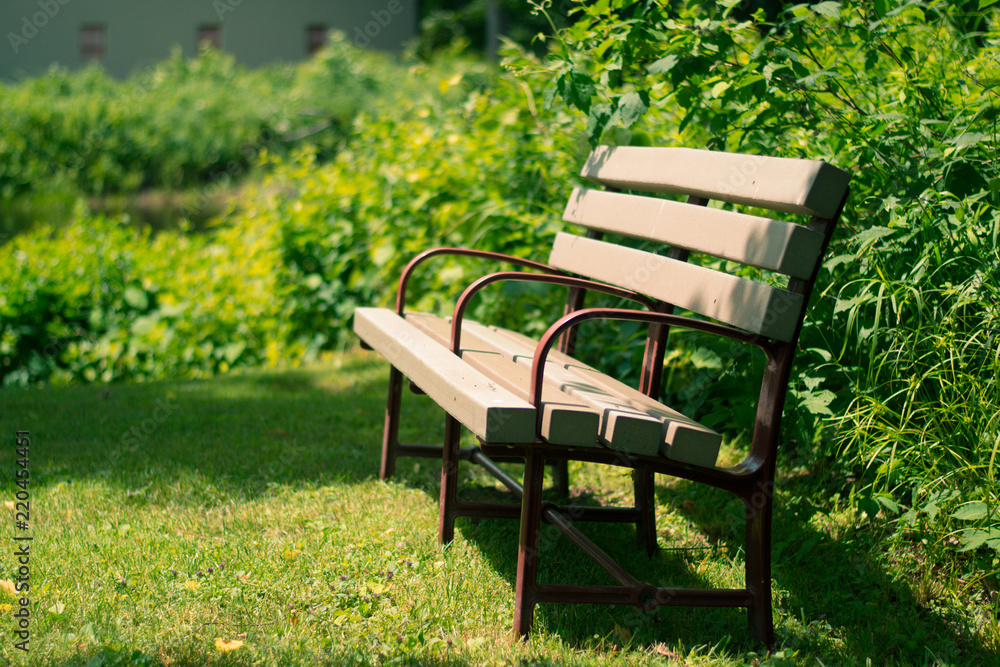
240 520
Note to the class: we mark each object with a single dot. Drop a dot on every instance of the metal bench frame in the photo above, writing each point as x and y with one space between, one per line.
752 480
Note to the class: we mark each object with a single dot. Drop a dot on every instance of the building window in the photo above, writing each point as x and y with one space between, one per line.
315 38
93 41
210 35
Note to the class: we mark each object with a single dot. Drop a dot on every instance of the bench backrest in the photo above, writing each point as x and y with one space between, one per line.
808 187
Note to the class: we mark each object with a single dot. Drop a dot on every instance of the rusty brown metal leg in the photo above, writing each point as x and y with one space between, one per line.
560 477
645 503
758 566
390 435
449 481
527 549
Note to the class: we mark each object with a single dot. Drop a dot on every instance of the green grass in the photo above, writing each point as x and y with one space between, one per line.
248 508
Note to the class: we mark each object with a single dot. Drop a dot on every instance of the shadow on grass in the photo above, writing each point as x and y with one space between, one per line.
193 440
592 626
832 598
197 442
831 595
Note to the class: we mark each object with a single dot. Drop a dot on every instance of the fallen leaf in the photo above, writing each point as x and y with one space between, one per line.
227 646
663 650
8 586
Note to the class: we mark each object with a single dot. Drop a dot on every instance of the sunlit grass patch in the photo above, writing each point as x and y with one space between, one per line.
248 526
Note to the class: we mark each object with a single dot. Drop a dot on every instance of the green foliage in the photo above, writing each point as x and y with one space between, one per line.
900 376
180 124
459 171
278 277
99 300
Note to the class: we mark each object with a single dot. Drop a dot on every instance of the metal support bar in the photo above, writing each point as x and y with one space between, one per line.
552 515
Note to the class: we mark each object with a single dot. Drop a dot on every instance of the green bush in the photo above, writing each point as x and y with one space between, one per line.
183 123
278 277
99 300
899 375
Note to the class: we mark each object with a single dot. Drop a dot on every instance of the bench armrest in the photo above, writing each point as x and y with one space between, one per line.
553 279
467 252
773 349
573 319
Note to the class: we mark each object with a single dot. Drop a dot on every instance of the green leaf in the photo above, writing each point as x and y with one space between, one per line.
578 90
983 4
967 139
136 297
720 88
664 64
869 507
549 94
144 325
632 106
886 501
972 539
233 351
818 403
971 511
831 9
597 120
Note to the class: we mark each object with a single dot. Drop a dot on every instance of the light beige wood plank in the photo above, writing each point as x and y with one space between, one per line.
565 420
684 438
488 410
743 303
767 244
622 427
809 187
679 438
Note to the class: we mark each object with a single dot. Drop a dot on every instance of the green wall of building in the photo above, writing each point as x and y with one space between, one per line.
37 33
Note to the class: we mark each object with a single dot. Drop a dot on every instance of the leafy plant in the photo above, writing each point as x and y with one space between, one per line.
900 384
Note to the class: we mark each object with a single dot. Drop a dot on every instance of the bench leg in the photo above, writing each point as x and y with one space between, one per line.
758 567
645 503
449 481
560 477
527 550
390 435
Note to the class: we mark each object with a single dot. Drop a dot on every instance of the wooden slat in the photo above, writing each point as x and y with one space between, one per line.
809 187
565 420
621 426
677 436
742 303
767 244
684 439
488 410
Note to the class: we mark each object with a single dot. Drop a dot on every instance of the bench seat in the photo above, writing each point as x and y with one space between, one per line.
726 244
487 388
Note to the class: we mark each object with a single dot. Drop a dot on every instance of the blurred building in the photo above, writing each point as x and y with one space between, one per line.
126 35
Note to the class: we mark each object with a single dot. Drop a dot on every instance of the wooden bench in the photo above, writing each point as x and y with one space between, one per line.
533 401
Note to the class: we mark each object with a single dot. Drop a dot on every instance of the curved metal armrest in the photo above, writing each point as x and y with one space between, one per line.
573 319
468 252
553 279
748 466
